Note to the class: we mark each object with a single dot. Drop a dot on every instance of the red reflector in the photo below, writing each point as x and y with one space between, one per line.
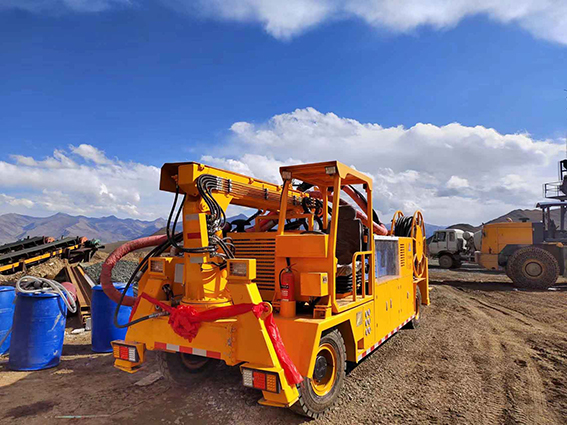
123 352
259 380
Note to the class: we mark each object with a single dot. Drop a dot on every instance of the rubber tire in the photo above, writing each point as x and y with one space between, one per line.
522 280
312 405
175 371
508 268
446 261
414 323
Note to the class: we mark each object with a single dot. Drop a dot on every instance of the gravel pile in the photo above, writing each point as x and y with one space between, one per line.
120 273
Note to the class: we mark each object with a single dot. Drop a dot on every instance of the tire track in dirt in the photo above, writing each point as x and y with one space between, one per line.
479 356
516 395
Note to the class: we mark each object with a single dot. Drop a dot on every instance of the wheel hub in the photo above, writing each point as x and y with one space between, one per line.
320 368
325 370
534 269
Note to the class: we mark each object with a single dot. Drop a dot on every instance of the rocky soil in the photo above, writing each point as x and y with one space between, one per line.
484 353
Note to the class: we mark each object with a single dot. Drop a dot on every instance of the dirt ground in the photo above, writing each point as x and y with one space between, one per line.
484 353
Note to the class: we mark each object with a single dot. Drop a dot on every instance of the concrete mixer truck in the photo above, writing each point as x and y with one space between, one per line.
452 247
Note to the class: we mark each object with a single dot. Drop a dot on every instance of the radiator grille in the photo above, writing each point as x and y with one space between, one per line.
264 251
402 256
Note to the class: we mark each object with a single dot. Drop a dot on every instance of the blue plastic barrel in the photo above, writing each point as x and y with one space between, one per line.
102 315
38 331
7 295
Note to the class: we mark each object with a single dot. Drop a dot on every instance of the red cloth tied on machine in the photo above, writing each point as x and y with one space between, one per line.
186 321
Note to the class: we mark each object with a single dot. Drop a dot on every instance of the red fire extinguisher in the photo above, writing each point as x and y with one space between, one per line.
287 285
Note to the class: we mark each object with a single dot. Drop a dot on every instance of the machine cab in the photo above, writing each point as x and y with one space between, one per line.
448 240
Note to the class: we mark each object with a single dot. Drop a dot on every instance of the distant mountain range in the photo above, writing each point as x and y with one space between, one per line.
112 229
515 215
107 229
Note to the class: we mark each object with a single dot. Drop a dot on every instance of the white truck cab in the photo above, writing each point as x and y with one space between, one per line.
451 247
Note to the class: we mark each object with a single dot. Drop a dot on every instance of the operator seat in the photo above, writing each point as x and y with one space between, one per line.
349 241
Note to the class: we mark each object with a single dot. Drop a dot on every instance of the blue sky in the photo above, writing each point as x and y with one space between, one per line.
143 83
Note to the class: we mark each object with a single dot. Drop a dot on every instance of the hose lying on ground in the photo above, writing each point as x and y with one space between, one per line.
39 285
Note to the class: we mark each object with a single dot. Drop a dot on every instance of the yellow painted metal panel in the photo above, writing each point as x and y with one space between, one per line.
304 246
314 284
383 309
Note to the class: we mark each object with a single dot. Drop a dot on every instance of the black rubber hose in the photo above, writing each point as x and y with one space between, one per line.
403 226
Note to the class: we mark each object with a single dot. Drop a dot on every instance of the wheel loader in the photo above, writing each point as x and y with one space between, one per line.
533 254
291 295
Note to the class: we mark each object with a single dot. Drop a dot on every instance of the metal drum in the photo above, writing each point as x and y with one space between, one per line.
38 331
7 295
102 314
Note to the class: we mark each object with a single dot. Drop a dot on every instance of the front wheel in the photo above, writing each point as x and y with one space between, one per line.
533 268
181 368
445 261
322 390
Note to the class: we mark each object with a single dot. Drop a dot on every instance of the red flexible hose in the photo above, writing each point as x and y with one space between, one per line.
378 229
106 274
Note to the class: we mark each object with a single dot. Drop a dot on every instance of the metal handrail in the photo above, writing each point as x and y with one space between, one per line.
354 258
553 190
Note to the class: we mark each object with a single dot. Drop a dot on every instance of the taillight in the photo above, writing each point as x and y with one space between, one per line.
129 351
123 352
261 380
129 355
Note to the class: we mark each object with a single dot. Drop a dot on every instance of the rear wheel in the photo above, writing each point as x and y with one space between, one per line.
446 261
414 323
320 392
533 268
181 368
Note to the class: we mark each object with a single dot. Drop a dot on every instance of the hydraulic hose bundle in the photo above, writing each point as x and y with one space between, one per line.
215 221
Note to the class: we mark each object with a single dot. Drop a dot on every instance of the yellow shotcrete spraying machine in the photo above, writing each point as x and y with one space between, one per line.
290 295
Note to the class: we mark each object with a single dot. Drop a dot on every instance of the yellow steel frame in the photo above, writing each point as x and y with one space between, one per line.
37 258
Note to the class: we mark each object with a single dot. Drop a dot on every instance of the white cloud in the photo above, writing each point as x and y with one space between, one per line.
90 153
453 173
259 166
15 202
58 160
546 19
84 181
455 182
